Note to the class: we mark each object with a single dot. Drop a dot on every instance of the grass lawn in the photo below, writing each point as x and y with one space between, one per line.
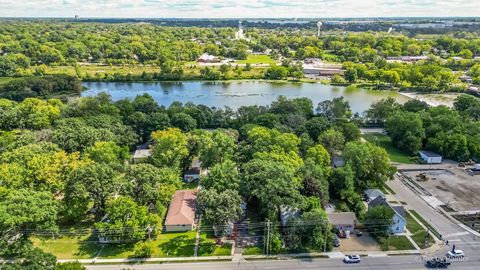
165 245
253 251
68 247
412 225
4 80
422 220
256 59
398 242
419 233
395 154
419 238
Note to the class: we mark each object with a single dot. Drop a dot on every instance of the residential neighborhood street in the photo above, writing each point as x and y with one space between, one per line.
380 263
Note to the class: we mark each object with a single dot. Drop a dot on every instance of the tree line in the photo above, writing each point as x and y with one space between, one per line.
61 163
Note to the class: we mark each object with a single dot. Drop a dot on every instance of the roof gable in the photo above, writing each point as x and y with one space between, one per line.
182 208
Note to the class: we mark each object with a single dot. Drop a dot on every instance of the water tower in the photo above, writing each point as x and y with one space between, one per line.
319 25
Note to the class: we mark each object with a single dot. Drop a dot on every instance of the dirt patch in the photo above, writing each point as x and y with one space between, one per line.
359 243
459 190
472 221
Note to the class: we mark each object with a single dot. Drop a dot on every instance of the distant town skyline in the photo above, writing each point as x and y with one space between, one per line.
239 9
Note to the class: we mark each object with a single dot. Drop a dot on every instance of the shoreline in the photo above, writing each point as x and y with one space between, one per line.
433 99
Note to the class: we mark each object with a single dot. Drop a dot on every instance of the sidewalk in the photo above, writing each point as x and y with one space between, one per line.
326 255
136 260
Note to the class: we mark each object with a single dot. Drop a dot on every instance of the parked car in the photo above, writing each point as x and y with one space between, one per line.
358 233
455 253
352 259
437 263
336 241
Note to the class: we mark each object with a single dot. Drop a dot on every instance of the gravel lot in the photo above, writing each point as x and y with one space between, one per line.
453 186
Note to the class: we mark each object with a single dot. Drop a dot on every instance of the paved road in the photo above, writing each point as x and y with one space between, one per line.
381 263
451 231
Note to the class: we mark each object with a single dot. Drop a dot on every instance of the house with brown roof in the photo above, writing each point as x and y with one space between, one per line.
181 212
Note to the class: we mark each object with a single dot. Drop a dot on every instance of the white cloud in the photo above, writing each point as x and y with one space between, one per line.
238 9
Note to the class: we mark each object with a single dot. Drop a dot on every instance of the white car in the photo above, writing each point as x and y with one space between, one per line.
457 253
351 259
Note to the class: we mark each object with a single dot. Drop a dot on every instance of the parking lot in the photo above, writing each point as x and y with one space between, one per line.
452 185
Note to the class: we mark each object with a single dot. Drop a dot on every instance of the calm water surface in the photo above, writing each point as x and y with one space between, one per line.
236 94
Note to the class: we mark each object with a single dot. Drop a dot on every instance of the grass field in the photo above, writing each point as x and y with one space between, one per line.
395 154
398 242
165 245
257 59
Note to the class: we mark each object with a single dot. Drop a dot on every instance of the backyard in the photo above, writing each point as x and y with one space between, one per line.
395 154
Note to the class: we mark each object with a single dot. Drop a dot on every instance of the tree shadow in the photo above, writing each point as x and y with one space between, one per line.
178 246
88 248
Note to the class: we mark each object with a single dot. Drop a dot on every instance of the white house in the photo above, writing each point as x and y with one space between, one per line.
207 58
430 157
141 155
194 172
399 220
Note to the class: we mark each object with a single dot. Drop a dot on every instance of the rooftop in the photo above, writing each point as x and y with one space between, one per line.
374 193
182 208
142 153
342 218
430 154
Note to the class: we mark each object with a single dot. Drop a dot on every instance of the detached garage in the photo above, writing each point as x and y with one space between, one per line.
431 157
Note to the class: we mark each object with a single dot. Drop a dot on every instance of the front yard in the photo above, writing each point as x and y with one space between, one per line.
164 245
395 242
419 234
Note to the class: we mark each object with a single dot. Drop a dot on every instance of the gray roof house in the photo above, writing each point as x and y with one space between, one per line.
399 220
371 194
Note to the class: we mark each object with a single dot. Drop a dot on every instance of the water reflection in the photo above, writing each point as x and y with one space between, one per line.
238 93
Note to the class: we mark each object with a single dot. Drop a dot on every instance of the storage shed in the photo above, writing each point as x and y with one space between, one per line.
430 157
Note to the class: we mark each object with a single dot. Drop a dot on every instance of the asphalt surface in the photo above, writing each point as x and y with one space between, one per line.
395 262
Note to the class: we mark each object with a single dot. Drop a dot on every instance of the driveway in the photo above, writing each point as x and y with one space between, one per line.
362 243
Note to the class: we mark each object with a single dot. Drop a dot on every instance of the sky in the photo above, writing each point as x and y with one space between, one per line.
239 8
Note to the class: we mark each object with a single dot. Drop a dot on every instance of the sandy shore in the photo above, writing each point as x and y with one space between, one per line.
436 99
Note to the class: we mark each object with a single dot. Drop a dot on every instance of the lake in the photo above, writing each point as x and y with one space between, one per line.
238 93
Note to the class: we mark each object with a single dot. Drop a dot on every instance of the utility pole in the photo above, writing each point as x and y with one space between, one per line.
268 237
326 233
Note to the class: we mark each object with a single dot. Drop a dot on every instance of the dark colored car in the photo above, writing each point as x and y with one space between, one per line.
336 241
437 263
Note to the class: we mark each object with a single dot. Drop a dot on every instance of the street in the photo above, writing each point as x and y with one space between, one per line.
394 262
